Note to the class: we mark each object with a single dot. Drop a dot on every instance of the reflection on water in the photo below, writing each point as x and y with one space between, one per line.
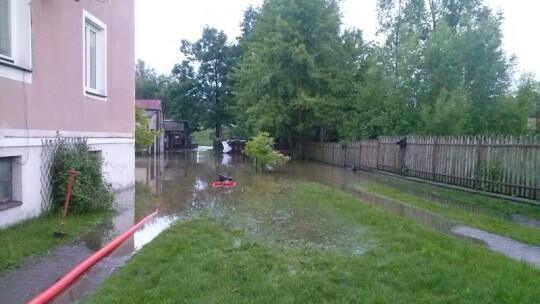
182 185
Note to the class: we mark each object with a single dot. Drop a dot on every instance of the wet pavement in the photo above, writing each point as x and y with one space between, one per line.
504 245
182 183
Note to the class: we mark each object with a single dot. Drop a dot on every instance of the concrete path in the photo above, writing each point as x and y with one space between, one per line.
20 285
504 245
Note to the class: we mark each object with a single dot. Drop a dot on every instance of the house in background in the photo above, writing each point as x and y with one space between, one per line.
152 109
66 70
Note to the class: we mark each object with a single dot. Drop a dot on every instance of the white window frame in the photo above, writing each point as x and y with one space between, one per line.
18 65
92 24
9 57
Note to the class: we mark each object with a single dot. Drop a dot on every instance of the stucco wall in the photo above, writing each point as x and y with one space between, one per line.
55 99
118 169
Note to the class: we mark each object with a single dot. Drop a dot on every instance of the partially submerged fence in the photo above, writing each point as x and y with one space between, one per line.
505 165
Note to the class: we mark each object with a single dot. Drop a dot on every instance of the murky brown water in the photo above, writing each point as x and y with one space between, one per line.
183 184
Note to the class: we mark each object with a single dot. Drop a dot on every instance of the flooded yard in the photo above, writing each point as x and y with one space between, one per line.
288 235
287 209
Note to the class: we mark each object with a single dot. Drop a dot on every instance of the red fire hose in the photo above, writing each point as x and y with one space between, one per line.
57 287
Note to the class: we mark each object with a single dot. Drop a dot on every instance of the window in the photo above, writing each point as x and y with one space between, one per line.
5 30
5 180
15 40
95 63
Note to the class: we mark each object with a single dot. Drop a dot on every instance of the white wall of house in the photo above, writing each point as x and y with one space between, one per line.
118 169
118 160
26 184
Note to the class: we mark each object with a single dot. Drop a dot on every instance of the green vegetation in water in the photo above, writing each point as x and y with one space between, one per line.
214 260
259 148
35 237
486 221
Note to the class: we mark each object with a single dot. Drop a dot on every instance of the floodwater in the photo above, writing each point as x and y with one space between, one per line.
182 186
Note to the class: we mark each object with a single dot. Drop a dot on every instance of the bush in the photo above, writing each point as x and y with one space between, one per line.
90 192
260 150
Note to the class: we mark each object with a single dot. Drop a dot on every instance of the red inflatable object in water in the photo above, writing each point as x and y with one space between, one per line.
224 184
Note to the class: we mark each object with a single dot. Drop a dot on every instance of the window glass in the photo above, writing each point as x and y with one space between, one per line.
92 58
5 180
5 28
95 41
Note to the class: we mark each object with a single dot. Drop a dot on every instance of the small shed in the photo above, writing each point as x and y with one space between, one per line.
177 135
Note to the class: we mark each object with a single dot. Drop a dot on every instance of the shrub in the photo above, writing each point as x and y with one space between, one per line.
260 150
90 192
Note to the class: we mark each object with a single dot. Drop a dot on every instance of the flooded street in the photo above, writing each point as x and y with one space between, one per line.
180 186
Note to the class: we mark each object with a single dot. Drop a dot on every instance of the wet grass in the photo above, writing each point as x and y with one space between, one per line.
204 137
211 259
496 205
495 224
35 237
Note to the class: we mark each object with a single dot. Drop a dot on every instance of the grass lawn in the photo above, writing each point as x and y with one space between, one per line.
300 242
204 137
35 237
526 234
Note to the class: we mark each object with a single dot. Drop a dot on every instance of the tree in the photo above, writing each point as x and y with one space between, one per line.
294 77
214 58
184 94
441 56
143 136
528 97
260 150
151 85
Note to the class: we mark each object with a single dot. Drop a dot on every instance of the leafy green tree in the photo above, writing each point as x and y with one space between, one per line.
143 136
214 58
442 55
184 94
259 148
528 97
146 81
149 84
295 76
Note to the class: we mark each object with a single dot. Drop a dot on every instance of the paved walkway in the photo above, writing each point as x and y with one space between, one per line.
504 245
20 285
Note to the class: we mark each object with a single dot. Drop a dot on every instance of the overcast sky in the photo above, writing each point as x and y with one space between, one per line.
161 24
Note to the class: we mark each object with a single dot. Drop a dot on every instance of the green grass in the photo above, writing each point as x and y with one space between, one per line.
35 237
215 259
501 206
529 235
204 137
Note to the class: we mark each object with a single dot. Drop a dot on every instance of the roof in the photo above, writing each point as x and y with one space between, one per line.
149 113
149 104
176 126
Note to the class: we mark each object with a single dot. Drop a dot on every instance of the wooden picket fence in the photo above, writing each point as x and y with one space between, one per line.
506 165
